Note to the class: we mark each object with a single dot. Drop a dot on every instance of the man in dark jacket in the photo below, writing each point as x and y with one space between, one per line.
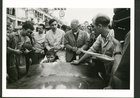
74 41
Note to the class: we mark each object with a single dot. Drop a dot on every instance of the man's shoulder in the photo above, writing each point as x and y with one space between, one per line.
68 33
48 32
14 34
83 32
35 34
60 31
111 32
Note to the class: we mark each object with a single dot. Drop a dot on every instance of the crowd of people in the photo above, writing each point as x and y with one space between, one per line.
67 44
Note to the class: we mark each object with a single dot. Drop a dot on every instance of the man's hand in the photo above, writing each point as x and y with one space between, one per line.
74 49
108 87
33 48
115 41
42 52
79 51
117 44
75 62
18 52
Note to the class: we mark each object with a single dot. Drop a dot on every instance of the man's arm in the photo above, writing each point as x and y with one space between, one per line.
85 45
93 48
15 51
46 43
117 60
86 40
117 57
85 56
67 45
62 40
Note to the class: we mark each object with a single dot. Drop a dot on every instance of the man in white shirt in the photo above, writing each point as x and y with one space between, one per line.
39 39
54 39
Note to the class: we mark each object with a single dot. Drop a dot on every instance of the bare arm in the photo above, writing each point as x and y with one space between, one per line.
85 56
46 43
93 48
117 59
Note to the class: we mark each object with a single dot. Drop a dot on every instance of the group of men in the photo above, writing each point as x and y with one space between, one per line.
69 47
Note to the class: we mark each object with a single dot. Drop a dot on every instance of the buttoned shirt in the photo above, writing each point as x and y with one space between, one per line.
39 42
54 39
104 45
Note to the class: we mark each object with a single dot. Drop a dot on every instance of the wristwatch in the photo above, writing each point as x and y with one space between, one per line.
118 53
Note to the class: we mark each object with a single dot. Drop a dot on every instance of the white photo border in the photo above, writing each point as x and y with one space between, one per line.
67 4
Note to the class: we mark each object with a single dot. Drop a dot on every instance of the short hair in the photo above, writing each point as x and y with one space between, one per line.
27 25
64 27
75 21
42 25
104 20
51 21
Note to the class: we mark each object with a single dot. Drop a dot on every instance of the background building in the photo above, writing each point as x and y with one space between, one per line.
16 16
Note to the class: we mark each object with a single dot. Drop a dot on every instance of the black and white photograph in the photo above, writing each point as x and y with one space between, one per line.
55 49
65 51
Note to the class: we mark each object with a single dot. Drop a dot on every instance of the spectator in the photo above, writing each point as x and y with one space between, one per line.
54 39
39 39
26 44
74 40
13 53
102 45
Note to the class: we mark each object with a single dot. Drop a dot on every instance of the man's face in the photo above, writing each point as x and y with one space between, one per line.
54 25
28 32
97 29
9 29
74 26
40 29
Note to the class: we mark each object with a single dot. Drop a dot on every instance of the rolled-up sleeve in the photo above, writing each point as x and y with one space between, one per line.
96 45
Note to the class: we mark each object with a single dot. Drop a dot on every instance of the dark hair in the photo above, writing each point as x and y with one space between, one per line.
58 26
36 29
51 52
104 20
51 21
42 25
64 27
27 25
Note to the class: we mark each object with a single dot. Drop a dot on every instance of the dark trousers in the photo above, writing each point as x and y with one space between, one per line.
36 57
28 58
117 83
100 67
13 71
